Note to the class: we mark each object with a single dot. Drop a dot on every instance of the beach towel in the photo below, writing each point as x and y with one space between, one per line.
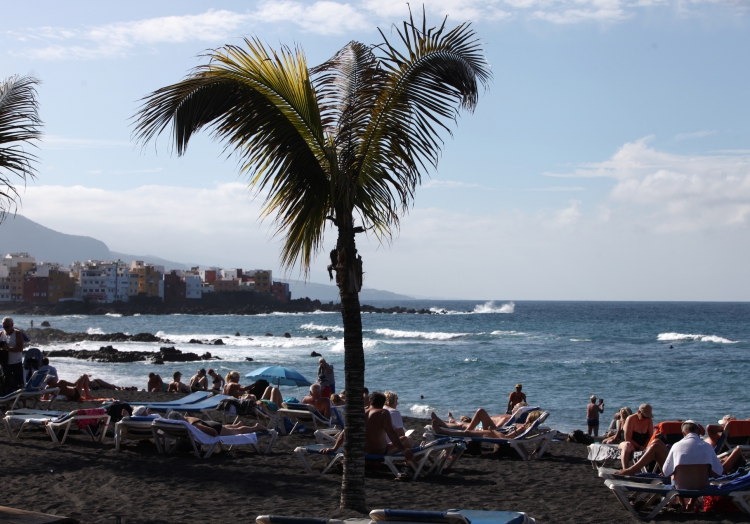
86 422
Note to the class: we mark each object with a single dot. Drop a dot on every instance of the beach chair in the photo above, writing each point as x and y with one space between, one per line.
520 444
599 454
631 494
58 427
387 516
204 407
737 434
168 433
429 459
133 428
34 390
192 398
304 414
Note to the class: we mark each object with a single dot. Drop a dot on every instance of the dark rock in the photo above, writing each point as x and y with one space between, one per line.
194 341
315 354
249 338
248 359
287 335
145 337
269 334
321 337
237 334
45 324
157 360
108 349
218 342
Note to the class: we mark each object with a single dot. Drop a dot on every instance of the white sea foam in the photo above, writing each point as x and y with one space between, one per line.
580 340
514 333
428 335
421 409
667 337
112 314
492 307
136 314
367 343
318 327
94 331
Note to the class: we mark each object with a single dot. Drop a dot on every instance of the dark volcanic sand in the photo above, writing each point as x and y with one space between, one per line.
94 483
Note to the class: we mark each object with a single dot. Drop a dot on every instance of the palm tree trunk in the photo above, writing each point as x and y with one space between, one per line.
349 281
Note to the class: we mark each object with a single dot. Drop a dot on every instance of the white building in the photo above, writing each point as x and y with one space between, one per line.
231 274
13 259
193 285
105 281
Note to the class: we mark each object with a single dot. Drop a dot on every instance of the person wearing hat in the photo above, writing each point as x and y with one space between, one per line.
515 397
592 416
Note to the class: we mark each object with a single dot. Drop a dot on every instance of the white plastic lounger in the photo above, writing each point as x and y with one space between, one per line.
738 490
600 454
451 516
59 427
304 414
35 389
192 398
532 436
429 459
195 408
133 428
166 430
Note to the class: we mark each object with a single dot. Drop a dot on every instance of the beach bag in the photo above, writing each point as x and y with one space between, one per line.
719 504
579 437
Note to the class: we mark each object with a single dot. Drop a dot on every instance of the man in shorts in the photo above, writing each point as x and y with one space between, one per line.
592 416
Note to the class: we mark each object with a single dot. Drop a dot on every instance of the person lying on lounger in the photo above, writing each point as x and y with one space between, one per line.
481 416
439 427
690 451
80 389
215 429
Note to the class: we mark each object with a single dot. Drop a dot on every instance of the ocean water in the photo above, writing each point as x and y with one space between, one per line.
688 360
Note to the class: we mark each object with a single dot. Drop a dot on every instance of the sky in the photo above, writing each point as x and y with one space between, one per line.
608 160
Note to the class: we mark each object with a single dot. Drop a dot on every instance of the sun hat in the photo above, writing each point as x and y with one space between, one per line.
518 385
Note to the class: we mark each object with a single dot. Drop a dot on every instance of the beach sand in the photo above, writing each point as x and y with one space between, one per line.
95 484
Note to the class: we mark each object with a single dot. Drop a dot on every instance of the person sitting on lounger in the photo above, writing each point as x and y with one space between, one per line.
199 381
272 399
440 427
315 398
232 387
215 429
176 386
715 431
155 383
620 417
481 416
336 400
217 382
637 431
391 402
690 461
378 424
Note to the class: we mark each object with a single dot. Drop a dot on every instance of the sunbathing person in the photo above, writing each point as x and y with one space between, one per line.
315 398
176 386
617 433
336 400
73 391
215 429
155 383
232 386
199 381
217 383
391 402
488 433
690 451
715 431
481 416
271 398
637 431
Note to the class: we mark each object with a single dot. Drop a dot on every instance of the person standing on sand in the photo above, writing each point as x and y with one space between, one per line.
11 340
514 398
325 370
592 416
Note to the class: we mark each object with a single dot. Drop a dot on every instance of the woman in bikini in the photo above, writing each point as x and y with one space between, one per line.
492 433
214 429
637 431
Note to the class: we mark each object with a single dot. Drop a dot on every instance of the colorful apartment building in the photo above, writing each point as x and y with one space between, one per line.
148 278
221 285
61 285
280 292
174 288
263 280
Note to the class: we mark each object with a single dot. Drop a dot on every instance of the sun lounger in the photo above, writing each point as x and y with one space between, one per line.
166 430
737 490
304 414
429 459
599 454
532 436
737 434
133 428
59 427
192 398
387 516
35 389
204 407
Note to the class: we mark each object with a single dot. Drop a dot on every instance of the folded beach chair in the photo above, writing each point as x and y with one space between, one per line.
630 494
305 414
388 516
429 459
58 427
35 389
192 398
532 436
167 433
133 428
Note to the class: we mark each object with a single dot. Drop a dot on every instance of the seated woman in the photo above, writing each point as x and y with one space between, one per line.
488 433
336 400
214 429
232 386
715 431
636 431
155 383
271 398
391 402
481 415
617 434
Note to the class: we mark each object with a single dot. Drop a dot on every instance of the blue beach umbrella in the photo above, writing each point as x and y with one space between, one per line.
279 376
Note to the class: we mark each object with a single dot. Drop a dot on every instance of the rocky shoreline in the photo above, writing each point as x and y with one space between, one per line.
113 355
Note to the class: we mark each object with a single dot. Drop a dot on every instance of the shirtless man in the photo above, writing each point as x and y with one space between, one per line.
637 431
592 416
155 383
199 381
515 397
322 404
177 386
378 424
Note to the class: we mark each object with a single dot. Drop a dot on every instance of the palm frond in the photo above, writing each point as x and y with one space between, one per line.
19 124
262 106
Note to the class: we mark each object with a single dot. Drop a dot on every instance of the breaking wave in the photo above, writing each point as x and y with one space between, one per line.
580 340
94 331
515 333
667 337
338 347
421 409
318 327
428 335
492 307
112 314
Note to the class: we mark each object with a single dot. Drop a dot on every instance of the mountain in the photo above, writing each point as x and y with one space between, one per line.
151 259
330 293
19 234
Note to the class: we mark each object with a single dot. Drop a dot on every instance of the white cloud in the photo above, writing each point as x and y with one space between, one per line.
321 17
558 189
698 134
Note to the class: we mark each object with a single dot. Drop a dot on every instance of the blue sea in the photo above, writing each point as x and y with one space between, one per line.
688 360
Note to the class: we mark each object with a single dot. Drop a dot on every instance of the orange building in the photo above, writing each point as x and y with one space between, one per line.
61 285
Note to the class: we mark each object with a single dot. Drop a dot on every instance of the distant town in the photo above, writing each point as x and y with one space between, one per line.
23 279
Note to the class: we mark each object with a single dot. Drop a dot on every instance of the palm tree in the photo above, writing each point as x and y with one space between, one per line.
346 142
19 122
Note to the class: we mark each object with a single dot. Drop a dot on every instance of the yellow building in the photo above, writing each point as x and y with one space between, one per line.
16 274
262 281
61 285
148 278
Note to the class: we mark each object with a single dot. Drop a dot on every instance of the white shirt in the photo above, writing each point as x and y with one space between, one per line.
691 450
13 357
51 371
398 422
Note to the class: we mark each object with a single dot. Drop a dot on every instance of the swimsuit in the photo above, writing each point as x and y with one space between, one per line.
216 426
76 395
640 438
593 422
